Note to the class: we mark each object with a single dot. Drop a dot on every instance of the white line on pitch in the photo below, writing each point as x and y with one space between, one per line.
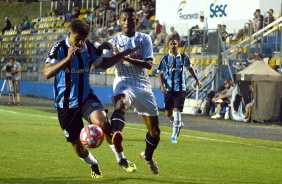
196 137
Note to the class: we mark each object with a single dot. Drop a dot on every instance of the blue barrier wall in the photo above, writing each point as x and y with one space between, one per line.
45 90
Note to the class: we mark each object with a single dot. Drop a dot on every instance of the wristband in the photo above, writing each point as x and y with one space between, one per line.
196 78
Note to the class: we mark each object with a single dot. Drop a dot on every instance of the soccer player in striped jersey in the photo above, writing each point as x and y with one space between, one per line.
69 61
172 76
132 85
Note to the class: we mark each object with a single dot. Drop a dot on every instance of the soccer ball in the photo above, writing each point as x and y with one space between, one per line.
91 136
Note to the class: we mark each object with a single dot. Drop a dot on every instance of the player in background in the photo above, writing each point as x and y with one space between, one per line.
172 76
69 61
132 85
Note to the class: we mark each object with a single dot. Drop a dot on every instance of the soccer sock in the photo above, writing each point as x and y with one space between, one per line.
176 124
151 145
90 159
117 120
119 155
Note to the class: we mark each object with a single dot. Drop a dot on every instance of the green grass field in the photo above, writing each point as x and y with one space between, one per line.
34 150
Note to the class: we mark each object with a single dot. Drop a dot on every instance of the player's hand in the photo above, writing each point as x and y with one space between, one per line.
115 49
199 84
163 90
71 52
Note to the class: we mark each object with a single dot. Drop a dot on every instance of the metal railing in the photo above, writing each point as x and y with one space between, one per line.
259 34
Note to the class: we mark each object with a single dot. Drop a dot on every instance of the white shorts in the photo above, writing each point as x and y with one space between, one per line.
143 101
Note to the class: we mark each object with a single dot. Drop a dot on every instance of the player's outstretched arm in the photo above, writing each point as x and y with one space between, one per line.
110 61
147 63
105 45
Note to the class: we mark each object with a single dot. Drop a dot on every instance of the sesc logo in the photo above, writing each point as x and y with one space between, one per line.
218 10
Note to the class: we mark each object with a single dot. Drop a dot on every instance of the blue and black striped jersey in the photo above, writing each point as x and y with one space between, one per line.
71 84
173 70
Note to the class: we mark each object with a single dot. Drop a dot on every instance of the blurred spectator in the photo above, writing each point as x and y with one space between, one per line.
203 23
248 111
74 14
90 17
99 30
100 9
223 98
255 57
7 25
148 12
161 38
75 3
174 34
113 4
223 32
258 21
158 27
246 28
26 24
60 9
195 35
269 19
143 20
14 67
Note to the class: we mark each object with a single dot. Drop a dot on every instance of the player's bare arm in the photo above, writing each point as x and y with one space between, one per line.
50 70
160 76
192 72
147 63
104 45
111 61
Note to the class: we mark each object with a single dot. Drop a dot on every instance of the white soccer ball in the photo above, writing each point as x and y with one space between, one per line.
91 136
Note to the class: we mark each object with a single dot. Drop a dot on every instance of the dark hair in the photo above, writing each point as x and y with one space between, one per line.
128 10
79 26
229 82
257 10
173 38
202 17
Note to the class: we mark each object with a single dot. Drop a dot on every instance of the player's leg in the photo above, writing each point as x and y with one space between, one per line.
71 124
146 107
96 115
122 103
168 101
178 103
94 112
152 140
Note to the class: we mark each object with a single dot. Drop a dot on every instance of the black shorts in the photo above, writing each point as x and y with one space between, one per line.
71 119
174 100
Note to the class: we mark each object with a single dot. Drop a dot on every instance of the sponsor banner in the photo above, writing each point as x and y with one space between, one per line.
215 12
